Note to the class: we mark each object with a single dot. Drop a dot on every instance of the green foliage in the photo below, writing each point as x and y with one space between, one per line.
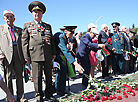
133 26
135 30
84 33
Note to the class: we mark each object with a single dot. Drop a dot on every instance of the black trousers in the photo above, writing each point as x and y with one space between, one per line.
105 66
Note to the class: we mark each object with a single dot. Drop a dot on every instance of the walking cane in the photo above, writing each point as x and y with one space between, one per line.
67 68
68 76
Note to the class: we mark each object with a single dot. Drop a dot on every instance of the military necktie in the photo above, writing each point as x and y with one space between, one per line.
12 34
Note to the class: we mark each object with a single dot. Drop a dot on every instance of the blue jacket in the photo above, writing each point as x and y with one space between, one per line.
61 46
118 42
86 45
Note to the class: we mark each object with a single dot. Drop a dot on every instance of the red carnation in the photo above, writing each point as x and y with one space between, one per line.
114 96
130 53
124 92
96 101
107 88
104 91
133 94
119 97
118 91
124 85
136 88
126 95
106 98
102 98
109 40
110 97
123 89
129 89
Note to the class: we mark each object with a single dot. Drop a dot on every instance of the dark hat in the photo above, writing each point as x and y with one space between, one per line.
37 6
115 24
62 29
132 32
70 28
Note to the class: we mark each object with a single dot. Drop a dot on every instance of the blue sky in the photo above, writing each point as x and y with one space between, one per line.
76 12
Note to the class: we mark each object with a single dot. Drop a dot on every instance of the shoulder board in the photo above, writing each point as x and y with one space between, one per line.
47 23
28 22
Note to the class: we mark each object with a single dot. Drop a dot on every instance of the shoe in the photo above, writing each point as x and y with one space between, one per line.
114 75
51 98
22 100
40 100
38 97
72 79
105 77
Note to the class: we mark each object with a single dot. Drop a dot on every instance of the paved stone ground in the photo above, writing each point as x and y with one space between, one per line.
75 87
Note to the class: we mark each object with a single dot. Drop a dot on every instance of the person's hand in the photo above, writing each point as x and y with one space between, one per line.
27 60
114 50
78 67
54 56
101 45
68 46
2 56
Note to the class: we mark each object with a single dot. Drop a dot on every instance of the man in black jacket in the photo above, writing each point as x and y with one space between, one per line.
102 39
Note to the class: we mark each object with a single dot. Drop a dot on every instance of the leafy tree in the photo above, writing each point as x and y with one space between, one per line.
135 30
84 33
133 26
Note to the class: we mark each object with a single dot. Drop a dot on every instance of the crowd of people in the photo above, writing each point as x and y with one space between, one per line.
35 44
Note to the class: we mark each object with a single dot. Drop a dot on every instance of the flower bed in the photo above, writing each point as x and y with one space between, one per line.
99 91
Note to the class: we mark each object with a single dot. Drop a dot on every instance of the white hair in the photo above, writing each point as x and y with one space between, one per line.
103 25
79 32
123 27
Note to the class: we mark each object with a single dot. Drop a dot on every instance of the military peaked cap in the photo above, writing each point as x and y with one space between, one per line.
132 32
37 6
115 24
70 28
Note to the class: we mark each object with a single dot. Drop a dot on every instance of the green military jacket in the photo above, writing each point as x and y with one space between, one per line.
118 42
37 41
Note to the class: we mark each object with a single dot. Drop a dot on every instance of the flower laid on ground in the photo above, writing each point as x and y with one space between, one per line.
99 91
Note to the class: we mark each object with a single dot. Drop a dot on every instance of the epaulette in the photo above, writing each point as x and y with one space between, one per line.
47 23
28 22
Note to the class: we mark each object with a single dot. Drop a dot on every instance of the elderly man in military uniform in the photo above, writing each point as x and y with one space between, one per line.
11 54
61 40
119 43
38 47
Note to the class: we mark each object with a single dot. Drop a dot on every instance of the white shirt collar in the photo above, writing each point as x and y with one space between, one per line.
37 22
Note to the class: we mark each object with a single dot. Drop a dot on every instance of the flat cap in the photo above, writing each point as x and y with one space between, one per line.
37 6
7 11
